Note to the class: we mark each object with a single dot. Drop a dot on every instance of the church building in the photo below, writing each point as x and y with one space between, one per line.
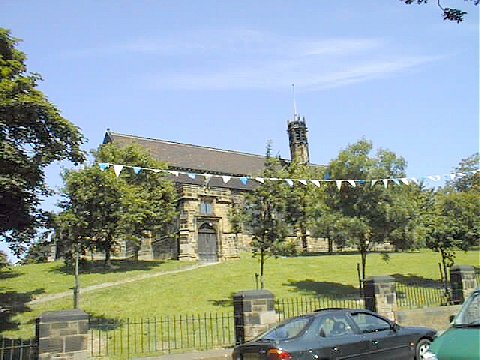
204 231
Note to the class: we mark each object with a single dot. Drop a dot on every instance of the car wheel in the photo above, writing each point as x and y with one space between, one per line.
422 347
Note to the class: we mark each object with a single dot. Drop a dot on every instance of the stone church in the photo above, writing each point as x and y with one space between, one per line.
204 231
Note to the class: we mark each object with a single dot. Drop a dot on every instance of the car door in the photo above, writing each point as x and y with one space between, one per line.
383 340
337 342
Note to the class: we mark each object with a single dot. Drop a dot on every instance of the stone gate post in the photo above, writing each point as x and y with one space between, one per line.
462 281
62 335
380 295
254 313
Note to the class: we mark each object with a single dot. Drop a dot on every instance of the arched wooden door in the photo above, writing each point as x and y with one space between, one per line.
207 243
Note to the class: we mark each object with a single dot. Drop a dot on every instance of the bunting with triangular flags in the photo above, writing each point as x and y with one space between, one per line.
103 166
118 168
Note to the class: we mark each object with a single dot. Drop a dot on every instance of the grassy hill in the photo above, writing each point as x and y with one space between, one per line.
207 289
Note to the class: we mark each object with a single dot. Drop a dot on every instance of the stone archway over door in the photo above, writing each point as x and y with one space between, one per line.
207 243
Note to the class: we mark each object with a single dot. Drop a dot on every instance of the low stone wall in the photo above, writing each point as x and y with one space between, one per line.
254 312
63 335
437 318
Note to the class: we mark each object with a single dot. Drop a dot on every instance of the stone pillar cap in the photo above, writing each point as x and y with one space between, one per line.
254 294
382 278
64 315
462 268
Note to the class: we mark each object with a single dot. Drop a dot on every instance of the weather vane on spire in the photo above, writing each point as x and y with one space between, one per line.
294 102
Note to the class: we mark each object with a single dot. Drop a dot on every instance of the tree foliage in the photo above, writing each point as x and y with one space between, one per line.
302 199
33 134
100 208
361 214
454 222
265 214
467 175
37 253
450 14
4 262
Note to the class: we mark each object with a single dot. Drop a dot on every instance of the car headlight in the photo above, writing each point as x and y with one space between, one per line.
429 356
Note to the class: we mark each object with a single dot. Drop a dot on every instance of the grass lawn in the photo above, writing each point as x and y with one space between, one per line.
208 289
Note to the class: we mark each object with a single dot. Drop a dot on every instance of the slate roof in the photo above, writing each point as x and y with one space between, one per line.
197 159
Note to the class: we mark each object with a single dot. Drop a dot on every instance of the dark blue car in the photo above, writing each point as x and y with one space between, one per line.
338 334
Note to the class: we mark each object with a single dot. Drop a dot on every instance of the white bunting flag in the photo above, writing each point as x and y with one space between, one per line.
226 179
339 184
260 180
385 183
316 183
435 178
118 169
303 182
374 182
289 182
175 173
352 183
405 181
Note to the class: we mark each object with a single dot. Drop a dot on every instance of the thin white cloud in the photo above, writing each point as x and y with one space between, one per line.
308 75
230 41
250 59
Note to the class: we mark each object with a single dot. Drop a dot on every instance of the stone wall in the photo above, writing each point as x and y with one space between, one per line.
191 219
63 335
381 296
437 317
254 313
463 282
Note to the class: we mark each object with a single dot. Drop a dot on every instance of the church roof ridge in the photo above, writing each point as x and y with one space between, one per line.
211 148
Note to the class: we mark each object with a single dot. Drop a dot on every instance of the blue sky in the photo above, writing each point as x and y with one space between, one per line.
219 73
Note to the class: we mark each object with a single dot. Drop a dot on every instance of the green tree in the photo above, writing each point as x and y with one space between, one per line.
451 14
237 216
266 214
96 198
467 175
404 225
152 199
364 203
33 134
323 225
105 208
37 253
454 222
302 199
4 262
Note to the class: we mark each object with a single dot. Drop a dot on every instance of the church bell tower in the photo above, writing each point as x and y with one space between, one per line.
297 135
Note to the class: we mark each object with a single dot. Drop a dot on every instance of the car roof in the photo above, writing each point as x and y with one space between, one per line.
333 310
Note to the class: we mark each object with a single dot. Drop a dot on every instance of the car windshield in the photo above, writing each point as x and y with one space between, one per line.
287 330
470 313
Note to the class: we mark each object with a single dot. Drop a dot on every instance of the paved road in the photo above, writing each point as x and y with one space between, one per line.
220 354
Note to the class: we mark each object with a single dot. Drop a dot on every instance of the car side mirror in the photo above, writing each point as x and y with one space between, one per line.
395 327
451 317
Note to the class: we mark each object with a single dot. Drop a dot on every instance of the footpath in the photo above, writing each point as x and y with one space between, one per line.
47 298
219 354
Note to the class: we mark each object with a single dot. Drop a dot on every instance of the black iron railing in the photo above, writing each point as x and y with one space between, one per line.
289 307
418 296
126 338
18 349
